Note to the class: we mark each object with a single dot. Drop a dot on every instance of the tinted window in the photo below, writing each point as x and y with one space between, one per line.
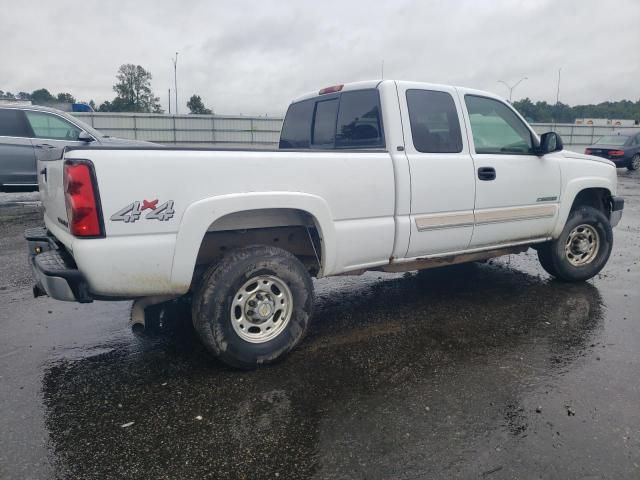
613 140
435 127
496 128
45 125
13 124
324 122
359 123
296 131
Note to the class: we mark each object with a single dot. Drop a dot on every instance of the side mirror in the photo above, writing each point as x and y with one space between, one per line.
85 137
549 142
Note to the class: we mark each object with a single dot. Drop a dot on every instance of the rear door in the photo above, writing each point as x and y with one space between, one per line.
442 173
17 158
517 191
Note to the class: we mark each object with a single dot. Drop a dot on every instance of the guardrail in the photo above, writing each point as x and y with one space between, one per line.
263 132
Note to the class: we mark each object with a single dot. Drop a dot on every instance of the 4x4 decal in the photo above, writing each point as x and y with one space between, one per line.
132 212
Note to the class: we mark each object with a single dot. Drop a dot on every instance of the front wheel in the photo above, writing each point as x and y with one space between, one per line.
582 249
253 306
634 164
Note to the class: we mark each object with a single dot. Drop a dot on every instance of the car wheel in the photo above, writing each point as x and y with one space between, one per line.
635 162
582 249
253 306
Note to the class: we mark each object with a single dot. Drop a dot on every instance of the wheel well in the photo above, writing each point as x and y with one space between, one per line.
293 230
598 198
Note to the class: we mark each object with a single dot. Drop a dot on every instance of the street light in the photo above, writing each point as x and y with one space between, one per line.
510 87
175 79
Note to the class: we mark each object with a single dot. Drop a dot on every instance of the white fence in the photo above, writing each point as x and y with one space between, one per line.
261 132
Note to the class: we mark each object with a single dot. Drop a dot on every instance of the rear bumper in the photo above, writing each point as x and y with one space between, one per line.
53 269
617 206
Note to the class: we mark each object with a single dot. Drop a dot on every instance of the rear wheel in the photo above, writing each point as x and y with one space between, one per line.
253 306
582 249
634 164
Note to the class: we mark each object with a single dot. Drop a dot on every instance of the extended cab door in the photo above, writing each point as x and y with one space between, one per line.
517 191
442 172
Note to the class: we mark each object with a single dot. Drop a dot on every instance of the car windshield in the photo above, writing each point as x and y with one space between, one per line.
613 140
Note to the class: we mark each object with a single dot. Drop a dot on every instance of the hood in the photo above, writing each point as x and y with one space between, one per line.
581 156
123 142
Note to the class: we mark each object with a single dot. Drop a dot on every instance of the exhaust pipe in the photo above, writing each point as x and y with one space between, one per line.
137 319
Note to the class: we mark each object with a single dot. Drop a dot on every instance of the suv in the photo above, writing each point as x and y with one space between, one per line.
28 131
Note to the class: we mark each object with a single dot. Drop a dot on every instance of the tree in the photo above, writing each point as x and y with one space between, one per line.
92 104
24 96
133 90
41 96
66 98
196 105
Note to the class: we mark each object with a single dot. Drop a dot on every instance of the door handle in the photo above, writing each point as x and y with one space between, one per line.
45 145
487 173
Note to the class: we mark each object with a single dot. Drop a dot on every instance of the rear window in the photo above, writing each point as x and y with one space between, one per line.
613 140
296 130
435 127
347 120
13 123
359 120
324 123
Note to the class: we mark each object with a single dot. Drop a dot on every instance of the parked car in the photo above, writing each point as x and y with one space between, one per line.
27 132
380 175
622 148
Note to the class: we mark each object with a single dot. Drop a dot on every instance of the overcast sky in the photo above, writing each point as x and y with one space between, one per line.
252 57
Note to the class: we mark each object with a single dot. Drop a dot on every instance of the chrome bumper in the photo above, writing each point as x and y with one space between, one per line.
53 269
617 206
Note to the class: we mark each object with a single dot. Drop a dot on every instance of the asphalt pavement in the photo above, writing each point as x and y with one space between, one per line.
487 371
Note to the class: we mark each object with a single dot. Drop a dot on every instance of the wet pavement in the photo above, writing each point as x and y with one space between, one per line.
479 371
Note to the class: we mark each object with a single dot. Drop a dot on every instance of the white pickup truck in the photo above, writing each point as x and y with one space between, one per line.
377 175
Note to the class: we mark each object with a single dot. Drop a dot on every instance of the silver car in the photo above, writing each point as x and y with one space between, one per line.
30 132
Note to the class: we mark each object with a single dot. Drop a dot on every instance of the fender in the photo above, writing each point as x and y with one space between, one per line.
572 189
201 214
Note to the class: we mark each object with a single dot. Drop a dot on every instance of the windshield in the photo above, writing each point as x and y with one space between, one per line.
613 140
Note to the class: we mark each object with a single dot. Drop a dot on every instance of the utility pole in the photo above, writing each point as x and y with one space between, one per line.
175 79
169 101
558 89
511 88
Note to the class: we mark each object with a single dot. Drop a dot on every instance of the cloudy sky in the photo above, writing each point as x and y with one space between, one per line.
252 57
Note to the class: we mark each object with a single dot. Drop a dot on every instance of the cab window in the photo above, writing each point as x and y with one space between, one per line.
496 128
13 123
45 125
435 126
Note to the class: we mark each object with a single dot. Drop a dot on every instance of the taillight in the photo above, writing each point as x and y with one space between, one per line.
81 198
616 153
332 89
587 151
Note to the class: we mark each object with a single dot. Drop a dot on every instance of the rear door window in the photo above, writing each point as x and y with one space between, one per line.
296 130
435 126
45 125
359 120
13 123
324 123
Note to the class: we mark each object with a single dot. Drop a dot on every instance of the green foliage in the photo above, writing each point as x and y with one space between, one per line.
133 91
562 113
196 106
66 98
42 95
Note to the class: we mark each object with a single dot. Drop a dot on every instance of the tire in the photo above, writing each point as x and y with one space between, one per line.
634 164
253 306
582 249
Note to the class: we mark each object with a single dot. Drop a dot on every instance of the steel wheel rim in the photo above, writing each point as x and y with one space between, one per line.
261 308
582 246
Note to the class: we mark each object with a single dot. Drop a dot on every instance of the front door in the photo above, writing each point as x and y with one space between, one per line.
442 172
517 191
